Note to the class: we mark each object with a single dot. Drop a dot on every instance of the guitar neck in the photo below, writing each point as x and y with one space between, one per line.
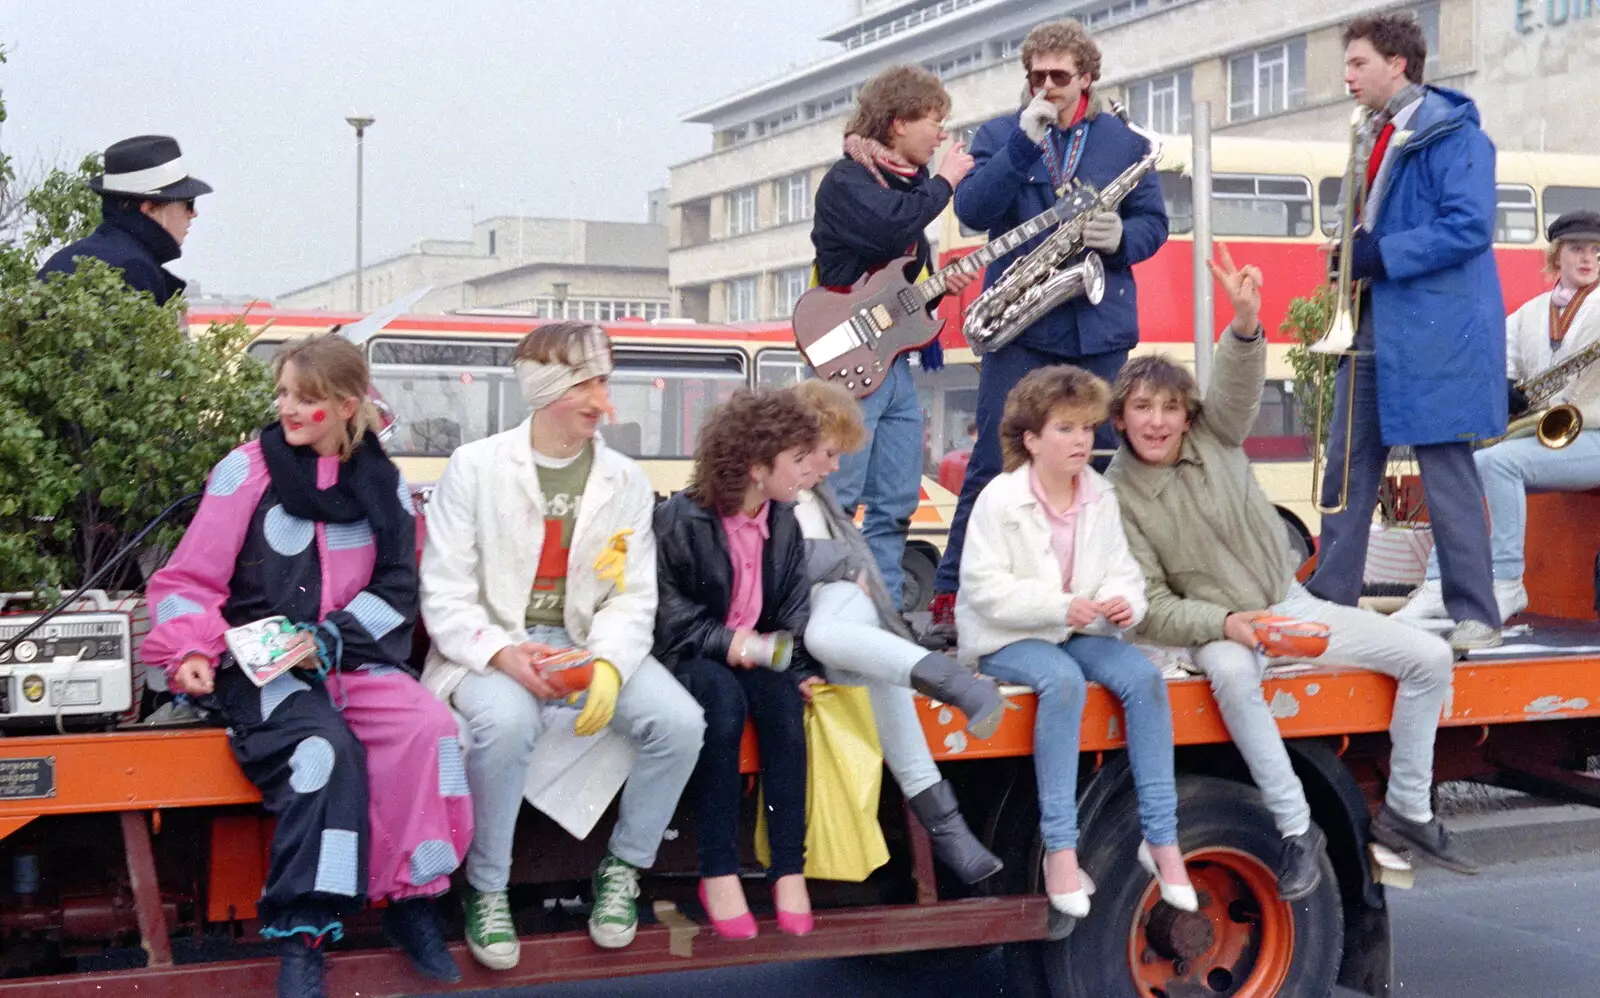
936 284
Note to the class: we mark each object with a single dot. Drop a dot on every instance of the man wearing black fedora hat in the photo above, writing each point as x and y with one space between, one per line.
148 203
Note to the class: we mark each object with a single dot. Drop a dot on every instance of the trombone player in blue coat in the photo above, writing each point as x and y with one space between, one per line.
1430 344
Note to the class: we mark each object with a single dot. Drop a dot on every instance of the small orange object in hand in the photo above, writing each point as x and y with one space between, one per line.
1287 637
570 671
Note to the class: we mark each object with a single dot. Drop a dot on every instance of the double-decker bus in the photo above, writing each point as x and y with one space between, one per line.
1275 202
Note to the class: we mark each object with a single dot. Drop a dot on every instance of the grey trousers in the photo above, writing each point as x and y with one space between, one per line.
654 712
1450 483
1420 661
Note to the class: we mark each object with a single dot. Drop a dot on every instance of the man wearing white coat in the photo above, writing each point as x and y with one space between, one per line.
1551 329
539 538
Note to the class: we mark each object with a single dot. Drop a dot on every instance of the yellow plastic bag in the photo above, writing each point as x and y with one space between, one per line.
843 779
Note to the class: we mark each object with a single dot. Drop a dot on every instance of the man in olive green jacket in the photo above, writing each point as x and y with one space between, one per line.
1215 557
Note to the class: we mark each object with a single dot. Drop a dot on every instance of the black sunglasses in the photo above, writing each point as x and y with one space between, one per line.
1053 77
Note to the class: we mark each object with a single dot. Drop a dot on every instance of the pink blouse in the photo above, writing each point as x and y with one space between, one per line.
1064 526
747 538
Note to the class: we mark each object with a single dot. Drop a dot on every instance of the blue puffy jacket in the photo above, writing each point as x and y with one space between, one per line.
1010 184
1438 318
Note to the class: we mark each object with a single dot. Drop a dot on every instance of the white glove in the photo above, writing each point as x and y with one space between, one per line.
1103 232
1038 116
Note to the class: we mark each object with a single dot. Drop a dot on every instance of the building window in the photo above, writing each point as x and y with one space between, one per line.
794 198
491 242
741 211
742 299
1163 103
1427 16
832 104
955 62
1010 48
1267 81
791 284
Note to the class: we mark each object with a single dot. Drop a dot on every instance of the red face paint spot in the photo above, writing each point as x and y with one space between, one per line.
317 415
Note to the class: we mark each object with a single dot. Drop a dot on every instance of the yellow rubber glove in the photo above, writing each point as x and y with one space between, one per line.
602 702
611 564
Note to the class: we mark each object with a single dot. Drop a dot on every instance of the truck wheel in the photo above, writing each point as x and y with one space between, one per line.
920 563
1243 942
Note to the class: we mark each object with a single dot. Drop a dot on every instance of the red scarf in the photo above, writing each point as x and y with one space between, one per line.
877 157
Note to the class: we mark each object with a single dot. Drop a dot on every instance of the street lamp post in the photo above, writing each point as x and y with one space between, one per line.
360 123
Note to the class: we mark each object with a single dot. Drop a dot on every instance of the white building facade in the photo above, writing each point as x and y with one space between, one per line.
740 216
549 267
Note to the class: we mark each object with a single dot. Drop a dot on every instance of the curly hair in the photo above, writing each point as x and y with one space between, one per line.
1063 38
1393 35
1159 373
748 431
1044 392
837 410
903 93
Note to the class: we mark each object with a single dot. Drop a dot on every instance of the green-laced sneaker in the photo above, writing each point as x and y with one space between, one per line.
615 916
491 934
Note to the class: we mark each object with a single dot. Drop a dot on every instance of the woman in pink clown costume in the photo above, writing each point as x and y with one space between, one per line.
359 763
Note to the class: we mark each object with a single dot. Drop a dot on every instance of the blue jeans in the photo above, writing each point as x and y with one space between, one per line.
1059 675
886 474
997 375
504 722
1512 468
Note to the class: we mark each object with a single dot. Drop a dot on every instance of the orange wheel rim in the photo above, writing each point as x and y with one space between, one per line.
1240 943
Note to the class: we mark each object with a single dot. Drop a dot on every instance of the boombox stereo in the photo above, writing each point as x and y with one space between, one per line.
77 665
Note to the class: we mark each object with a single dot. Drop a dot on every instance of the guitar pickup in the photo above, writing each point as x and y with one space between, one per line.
880 316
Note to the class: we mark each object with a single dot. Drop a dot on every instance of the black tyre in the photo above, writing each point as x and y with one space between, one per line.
920 563
1243 942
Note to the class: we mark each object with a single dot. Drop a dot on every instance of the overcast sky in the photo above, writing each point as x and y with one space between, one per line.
483 107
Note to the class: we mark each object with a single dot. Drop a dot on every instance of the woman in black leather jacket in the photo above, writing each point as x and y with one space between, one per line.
734 599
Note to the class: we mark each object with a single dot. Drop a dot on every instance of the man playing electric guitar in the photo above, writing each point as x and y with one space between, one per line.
871 208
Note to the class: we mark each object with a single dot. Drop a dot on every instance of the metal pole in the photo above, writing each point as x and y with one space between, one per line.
361 124
1204 333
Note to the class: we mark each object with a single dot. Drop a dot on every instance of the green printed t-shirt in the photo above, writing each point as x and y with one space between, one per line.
561 482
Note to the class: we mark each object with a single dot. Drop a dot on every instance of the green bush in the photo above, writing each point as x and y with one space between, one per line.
109 409
1305 323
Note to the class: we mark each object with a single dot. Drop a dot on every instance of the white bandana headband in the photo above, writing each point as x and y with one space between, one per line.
543 383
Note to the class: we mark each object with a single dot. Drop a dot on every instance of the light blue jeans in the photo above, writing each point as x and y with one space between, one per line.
1059 675
886 474
845 636
504 722
1509 471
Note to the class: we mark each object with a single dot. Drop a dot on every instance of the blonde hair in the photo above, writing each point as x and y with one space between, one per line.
331 367
1063 38
1039 396
837 410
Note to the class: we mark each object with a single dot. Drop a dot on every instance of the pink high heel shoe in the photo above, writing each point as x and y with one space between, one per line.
732 929
796 923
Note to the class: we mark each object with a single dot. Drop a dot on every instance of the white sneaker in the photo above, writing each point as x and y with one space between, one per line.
1426 603
1510 597
1473 635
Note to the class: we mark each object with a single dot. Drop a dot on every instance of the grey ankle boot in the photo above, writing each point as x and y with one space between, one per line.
942 678
953 841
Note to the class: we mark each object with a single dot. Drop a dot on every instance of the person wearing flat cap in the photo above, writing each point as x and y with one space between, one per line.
1552 329
148 201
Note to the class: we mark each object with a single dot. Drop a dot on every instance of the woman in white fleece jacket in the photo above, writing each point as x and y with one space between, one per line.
1047 587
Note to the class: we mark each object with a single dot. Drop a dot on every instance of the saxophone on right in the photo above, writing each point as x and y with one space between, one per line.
1555 426
1058 269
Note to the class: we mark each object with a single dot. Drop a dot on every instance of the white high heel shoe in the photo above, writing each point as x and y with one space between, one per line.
1180 896
1073 903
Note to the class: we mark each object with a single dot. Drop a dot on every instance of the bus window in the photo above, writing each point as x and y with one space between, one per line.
1260 205
949 396
662 398
1178 193
1279 433
1515 218
444 393
1330 203
1560 200
778 368
265 350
